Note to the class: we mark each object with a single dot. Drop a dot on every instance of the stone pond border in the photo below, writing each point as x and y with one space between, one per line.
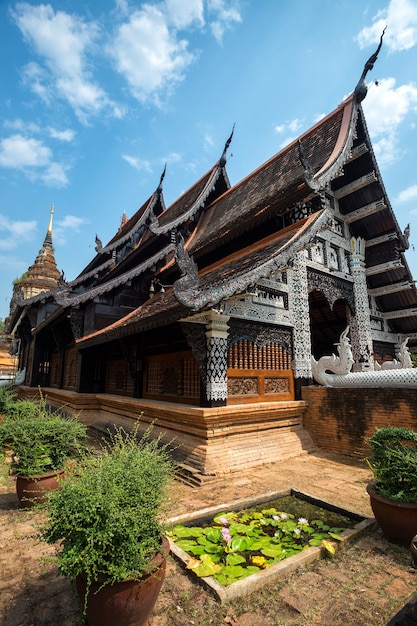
279 570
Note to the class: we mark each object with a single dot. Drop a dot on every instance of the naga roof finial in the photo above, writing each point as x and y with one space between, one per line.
159 189
361 88
226 145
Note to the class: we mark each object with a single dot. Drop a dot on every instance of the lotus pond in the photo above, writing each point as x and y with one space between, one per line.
236 544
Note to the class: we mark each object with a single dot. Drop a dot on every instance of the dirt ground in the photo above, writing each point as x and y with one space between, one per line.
365 584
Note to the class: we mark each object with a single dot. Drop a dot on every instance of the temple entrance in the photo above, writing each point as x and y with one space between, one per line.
326 323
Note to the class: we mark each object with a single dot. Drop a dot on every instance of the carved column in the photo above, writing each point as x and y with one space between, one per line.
301 319
360 331
216 373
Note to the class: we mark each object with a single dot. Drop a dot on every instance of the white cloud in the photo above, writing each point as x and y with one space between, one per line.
71 222
400 17
38 80
386 108
55 175
62 135
16 232
149 51
137 164
22 126
226 14
291 129
172 157
150 57
18 152
407 194
184 13
67 225
63 41
208 141
292 126
32 157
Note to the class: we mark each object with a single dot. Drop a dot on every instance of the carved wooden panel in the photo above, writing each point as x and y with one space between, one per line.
244 354
70 368
118 379
172 377
55 368
245 385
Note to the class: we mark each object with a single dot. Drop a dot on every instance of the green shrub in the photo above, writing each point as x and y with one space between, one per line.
23 409
394 463
7 398
107 514
40 439
42 444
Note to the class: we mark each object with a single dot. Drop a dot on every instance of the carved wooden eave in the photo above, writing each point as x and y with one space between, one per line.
164 225
160 310
52 317
211 287
165 308
133 226
341 151
65 299
94 273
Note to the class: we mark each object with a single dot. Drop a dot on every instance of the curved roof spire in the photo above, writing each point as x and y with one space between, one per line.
361 88
159 189
226 145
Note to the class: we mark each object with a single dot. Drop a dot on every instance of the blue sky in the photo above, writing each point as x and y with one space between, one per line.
96 96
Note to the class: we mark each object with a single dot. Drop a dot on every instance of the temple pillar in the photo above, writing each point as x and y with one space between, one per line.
360 327
301 322
216 363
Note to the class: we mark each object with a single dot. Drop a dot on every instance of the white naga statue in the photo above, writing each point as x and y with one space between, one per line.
335 371
19 379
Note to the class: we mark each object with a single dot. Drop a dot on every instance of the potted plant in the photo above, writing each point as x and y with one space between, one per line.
108 520
393 493
41 442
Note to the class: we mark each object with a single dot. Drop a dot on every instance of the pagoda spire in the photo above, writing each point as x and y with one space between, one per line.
48 237
43 275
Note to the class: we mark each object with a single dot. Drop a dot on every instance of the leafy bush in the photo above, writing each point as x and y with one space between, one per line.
394 463
23 409
107 514
40 440
41 445
7 399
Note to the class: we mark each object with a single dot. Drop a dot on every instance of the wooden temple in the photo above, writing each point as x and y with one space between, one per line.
204 314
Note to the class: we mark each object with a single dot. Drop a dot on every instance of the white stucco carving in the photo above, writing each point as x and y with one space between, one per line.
334 371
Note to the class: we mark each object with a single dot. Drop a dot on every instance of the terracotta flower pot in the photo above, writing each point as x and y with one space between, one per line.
397 520
129 602
32 490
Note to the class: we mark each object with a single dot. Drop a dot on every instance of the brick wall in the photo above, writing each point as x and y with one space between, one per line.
340 420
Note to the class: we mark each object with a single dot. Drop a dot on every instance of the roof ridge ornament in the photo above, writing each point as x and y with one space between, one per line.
361 89
187 286
159 188
99 244
308 174
222 161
